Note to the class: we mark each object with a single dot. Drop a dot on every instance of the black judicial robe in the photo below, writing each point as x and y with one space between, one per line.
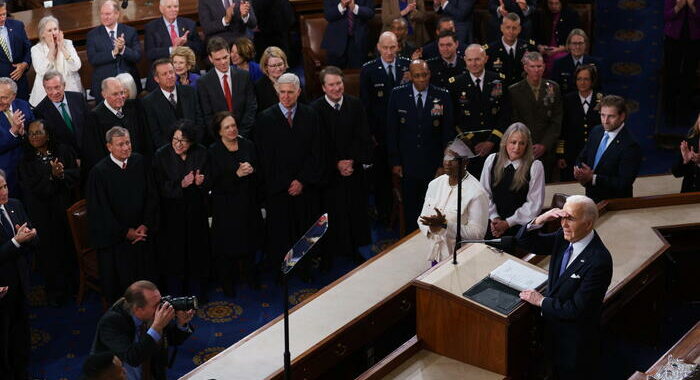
286 154
46 200
183 233
266 95
345 137
237 221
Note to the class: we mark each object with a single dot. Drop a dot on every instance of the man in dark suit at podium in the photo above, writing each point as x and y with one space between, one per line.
580 271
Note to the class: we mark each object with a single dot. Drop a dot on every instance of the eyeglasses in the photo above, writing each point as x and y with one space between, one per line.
276 65
36 133
181 141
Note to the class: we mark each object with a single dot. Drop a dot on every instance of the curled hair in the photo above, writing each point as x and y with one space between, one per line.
185 52
187 129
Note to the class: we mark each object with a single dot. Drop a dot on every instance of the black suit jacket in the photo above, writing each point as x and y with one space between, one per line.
573 301
14 271
212 11
99 52
115 333
690 171
77 107
212 99
618 167
157 42
161 115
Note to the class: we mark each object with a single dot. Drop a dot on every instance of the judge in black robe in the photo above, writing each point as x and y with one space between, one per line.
47 195
122 205
266 94
347 148
237 221
289 148
181 173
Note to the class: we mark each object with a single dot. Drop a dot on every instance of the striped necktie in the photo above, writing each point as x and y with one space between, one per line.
5 45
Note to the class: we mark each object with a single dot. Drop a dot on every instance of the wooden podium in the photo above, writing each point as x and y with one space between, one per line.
452 325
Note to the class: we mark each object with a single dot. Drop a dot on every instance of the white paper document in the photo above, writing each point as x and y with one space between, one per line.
518 276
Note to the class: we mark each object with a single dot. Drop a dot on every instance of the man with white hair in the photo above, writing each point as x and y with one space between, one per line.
15 115
580 271
289 144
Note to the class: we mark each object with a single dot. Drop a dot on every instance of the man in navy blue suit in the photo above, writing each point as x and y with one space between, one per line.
112 49
15 114
609 162
228 19
461 13
164 34
565 67
15 54
580 271
418 127
15 242
346 34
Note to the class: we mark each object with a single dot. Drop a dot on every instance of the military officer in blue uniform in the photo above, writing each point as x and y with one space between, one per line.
506 54
482 111
376 84
419 126
449 63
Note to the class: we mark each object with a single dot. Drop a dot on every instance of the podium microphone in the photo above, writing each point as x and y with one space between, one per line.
505 242
125 3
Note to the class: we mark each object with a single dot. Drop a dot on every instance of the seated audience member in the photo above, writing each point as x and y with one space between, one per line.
168 103
114 110
184 61
228 19
506 53
580 116
236 220
499 9
345 37
65 111
580 271
181 173
104 366
139 328
514 182
400 29
15 54
16 115
449 63
413 14
273 64
54 53
122 204
438 219
688 165
461 13
112 49
15 248
163 35
418 127
130 91
226 88
430 49
609 162
242 57
49 175
564 67
349 148
555 23
536 102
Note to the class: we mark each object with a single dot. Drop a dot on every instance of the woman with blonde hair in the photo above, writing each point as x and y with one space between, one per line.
514 183
688 165
184 61
273 64
53 52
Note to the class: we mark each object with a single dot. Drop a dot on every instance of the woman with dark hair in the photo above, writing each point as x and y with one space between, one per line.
554 25
688 165
514 183
181 173
48 175
242 57
237 221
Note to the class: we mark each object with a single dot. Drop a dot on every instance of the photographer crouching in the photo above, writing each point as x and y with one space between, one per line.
139 327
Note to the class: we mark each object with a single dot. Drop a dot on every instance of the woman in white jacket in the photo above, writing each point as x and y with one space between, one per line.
53 52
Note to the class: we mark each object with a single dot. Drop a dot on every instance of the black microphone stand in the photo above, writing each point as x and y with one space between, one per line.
458 236
287 355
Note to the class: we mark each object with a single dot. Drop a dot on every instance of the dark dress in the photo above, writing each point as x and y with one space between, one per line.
690 171
237 221
266 94
46 199
183 238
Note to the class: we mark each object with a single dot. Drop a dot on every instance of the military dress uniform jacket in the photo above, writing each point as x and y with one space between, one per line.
480 110
375 91
441 72
576 125
564 72
416 140
501 63
542 116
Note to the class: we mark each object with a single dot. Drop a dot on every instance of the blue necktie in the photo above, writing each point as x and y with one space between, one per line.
601 149
565 259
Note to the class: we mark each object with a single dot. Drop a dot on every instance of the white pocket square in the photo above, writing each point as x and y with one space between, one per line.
575 276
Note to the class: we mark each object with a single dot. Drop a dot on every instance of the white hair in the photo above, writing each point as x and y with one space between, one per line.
128 82
288 78
44 22
9 82
590 209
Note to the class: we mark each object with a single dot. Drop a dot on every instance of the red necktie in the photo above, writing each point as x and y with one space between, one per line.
173 34
227 93
289 118
351 21
124 165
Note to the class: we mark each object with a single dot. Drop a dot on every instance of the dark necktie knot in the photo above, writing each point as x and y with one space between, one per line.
337 106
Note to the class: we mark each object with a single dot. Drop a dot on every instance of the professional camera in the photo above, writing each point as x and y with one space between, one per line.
181 303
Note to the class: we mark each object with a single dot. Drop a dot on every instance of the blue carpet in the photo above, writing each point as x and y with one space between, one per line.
629 38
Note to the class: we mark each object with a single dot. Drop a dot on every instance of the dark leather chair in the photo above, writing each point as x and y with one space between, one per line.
86 256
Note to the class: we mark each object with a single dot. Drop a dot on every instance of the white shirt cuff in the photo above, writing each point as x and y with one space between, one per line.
532 226
223 21
341 9
593 180
356 9
14 241
445 5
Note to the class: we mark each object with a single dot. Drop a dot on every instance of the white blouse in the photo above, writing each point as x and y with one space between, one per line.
474 210
68 66
535 194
